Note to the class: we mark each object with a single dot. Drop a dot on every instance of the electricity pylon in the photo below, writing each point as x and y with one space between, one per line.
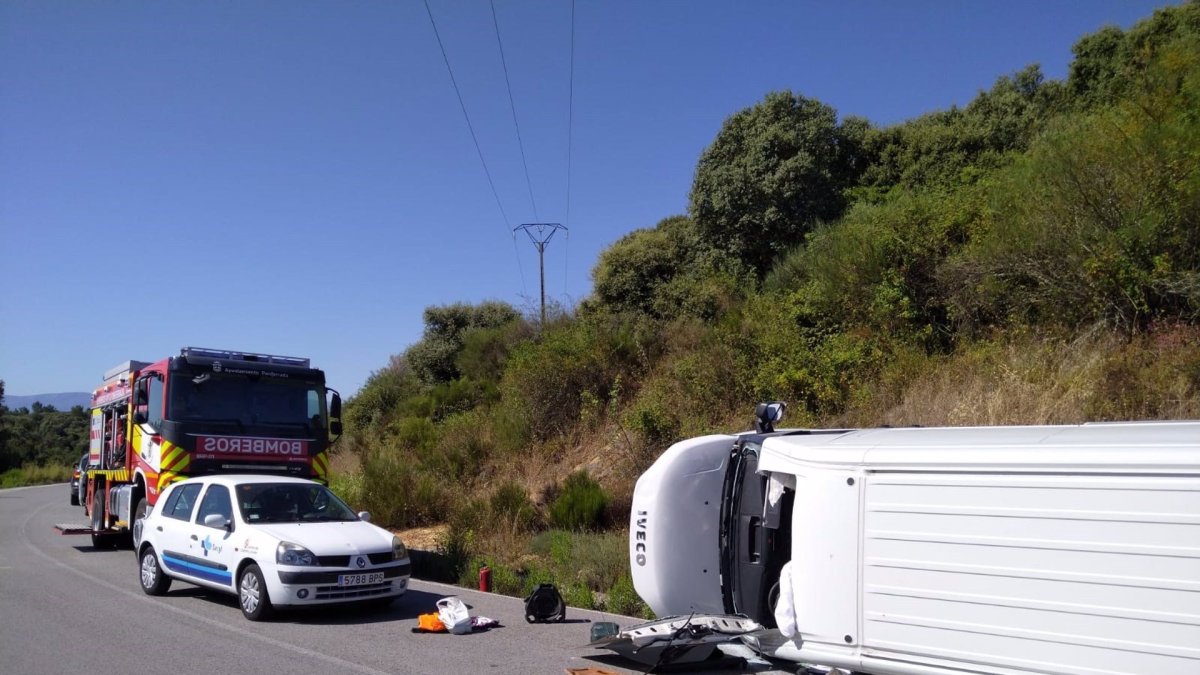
544 233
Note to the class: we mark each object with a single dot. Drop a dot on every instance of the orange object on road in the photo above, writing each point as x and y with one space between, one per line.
430 623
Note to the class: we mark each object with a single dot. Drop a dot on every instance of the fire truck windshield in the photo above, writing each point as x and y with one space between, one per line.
247 401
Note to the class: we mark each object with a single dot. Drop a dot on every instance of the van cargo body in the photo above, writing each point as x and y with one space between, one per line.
1064 550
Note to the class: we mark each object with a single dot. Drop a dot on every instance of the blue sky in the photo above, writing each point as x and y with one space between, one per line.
296 177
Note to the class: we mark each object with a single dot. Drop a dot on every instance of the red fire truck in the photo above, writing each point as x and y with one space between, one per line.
205 411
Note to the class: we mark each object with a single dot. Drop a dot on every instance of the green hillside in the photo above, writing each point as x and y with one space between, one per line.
1032 257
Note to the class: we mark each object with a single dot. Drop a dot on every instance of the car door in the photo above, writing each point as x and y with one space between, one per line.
212 546
174 531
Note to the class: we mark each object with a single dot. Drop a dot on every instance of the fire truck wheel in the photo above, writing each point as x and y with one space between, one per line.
154 582
105 541
252 594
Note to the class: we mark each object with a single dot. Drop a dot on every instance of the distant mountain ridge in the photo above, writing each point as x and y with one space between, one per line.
62 401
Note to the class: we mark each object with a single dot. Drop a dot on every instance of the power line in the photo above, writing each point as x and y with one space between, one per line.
570 114
512 105
465 115
475 139
570 135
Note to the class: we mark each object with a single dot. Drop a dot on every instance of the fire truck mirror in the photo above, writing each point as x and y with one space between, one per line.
335 415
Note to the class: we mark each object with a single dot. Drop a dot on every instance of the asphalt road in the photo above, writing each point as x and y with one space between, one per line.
66 607
69 608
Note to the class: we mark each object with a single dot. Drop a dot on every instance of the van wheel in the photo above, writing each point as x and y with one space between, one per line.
252 594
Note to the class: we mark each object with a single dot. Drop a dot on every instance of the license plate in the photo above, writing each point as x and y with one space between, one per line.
360 579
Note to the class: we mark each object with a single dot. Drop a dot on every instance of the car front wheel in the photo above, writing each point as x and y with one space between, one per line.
252 594
154 581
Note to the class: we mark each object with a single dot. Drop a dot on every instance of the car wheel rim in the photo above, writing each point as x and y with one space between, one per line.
250 592
149 570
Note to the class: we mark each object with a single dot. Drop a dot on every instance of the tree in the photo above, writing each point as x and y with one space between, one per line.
629 273
432 358
774 171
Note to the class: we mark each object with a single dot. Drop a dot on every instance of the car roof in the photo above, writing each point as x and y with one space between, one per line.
234 479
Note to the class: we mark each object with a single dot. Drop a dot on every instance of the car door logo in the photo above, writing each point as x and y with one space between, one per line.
360 561
209 546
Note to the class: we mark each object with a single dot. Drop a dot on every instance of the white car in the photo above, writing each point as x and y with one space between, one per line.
272 541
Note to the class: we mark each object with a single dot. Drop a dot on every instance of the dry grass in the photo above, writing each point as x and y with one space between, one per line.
422 538
1045 380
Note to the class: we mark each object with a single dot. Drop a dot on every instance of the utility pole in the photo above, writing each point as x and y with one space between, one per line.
540 234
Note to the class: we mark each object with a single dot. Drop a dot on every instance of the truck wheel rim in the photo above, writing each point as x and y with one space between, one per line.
249 593
149 570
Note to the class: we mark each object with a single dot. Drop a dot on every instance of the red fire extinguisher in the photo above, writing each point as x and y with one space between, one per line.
485 579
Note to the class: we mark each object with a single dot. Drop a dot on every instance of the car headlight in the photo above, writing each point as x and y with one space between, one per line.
293 554
399 552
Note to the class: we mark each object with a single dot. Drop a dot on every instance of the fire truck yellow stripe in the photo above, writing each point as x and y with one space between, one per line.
170 455
166 478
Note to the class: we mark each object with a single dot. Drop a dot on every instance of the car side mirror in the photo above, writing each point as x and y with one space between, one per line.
216 520
364 516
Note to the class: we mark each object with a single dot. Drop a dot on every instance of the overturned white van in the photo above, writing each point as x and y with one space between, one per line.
1048 549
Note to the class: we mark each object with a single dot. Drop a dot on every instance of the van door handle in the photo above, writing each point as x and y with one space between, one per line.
195 538
159 528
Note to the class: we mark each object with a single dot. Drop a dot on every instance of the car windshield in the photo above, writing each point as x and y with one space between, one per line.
290 503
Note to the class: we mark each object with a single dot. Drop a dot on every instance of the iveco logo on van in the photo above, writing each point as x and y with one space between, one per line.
639 537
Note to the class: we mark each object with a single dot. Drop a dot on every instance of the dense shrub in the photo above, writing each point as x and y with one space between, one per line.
433 357
1098 221
511 507
545 381
580 505
378 398
398 492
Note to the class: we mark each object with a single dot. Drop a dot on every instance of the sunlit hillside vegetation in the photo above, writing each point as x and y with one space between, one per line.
1032 257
